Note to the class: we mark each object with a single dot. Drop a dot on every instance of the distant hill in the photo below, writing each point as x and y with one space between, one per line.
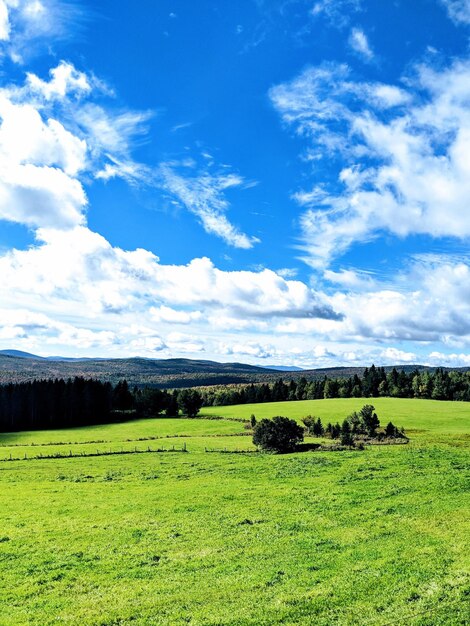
17 366
20 354
137 371
283 368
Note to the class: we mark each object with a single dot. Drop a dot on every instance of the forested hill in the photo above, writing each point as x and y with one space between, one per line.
137 371
164 373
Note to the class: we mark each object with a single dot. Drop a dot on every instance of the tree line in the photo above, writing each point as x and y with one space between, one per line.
437 385
79 402
44 404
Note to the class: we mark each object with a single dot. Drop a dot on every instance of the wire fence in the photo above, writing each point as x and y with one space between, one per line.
232 450
83 454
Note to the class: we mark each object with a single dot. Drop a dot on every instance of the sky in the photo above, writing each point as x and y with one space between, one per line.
266 181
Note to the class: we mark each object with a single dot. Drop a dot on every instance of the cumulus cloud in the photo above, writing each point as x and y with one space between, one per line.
65 79
252 349
204 196
182 342
393 355
167 314
430 303
49 137
83 292
449 360
39 161
408 170
78 270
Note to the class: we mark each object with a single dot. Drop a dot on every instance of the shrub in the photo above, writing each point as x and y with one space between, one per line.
313 426
309 423
393 432
280 434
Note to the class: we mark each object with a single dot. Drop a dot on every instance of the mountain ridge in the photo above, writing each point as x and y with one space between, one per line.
164 373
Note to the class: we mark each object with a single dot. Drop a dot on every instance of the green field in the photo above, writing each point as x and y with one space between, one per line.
378 536
433 417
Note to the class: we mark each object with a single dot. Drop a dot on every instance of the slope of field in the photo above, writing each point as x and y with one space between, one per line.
375 537
433 418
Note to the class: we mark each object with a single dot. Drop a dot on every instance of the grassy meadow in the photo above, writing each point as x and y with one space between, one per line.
378 536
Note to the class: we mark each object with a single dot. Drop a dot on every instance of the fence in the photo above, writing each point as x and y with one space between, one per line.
71 454
231 450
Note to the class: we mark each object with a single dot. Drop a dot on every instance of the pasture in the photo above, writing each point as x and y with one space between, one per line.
375 537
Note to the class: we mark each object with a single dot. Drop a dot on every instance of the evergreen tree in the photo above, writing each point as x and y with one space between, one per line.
347 438
190 402
369 419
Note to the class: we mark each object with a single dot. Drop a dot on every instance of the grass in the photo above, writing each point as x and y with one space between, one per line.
434 416
374 537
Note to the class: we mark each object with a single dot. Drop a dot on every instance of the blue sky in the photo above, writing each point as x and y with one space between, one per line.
262 181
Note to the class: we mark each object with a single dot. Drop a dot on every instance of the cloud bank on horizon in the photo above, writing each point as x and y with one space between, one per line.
297 190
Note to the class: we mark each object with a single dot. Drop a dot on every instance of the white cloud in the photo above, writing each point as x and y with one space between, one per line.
360 44
449 360
77 269
72 289
408 168
428 304
167 314
4 21
26 24
143 346
39 163
65 79
398 356
337 12
351 279
42 158
458 10
76 291
204 196
260 351
287 272
111 133
41 197
184 343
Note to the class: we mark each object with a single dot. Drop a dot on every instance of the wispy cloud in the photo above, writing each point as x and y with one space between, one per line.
406 170
458 10
337 12
26 25
359 43
203 195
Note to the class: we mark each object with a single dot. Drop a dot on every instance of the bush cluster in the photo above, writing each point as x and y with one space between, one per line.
281 434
